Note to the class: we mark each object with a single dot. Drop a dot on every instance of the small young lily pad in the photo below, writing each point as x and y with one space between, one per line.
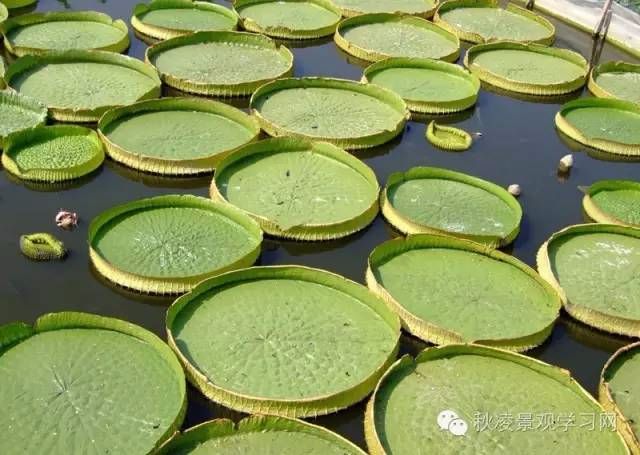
19 113
316 342
422 8
616 80
448 138
42 247
374 37
164 19
220 63
53 153
414 201
594 267
36 33
614 202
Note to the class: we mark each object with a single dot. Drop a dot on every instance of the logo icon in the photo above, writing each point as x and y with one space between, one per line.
450 421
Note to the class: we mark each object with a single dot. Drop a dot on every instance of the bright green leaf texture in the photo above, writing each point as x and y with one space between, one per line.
614 201
389 6
616 80
19 113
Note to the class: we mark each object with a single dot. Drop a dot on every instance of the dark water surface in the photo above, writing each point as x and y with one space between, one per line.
518 145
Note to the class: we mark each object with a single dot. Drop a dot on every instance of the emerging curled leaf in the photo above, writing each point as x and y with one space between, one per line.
448 137
42 247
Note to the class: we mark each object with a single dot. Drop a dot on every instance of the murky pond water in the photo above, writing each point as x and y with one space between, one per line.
518 145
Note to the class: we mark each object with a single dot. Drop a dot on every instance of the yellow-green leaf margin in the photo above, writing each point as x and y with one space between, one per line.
4 13
589 316
527 88
161 285
27 20
427 13
309 407
448 137
609 67
594 212
15 4
167 166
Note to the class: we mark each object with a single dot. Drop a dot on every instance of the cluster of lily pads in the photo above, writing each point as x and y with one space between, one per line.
289 342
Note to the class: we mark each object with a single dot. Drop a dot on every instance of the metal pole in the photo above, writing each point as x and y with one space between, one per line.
600 33
530 4
603 27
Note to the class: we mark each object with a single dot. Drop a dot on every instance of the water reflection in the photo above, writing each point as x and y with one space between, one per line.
54 187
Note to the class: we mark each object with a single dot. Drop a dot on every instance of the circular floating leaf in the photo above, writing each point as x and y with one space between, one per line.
374 37
290 19
220 63
423 8
316 342
594 267
527 68
480 21
447 390
616 80
448 290
259 434
613 201
80 383
619 392
299 189
41 247
345 113
612 126
36 33
19 113
79 86
53 153
448 138
163 19
433 200
168 244
427 86
175 136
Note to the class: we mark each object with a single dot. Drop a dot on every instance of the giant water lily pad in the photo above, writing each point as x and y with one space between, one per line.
449 290
79 85
259 434
613 201
18 113
619 392
287 341
53 153
531 69
374 37
610 125
427 86
345 113
163 19
480 21
471 399
168 244
290 19
220 63
595 268
299 189
79 383
175 136
423 8
433 200
616 80
36 33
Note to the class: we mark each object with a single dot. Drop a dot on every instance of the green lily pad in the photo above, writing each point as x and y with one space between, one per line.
433 200
350 8
448 290
4 13
36 33
290 19
19 113
448 138
259 434
80 85
531 69
220 63
594 266
175 136
613 201
53 153
427 86
619 391
316 342
168 244
374 37
345 113
610 125
299 189
163 19
480 21
616 80
15 4
472 399
41 247
80 383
